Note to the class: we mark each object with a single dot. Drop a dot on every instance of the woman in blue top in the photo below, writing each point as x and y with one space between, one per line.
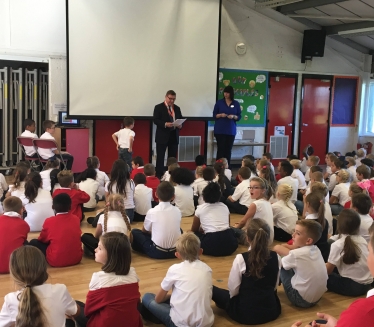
226 113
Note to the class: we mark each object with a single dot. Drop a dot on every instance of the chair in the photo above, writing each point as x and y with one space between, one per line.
47 144
27 141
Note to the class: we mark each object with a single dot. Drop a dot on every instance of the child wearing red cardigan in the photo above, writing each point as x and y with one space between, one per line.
60 238
114 295
78 197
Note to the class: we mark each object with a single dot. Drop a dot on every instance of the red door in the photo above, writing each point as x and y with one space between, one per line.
314 116
281 107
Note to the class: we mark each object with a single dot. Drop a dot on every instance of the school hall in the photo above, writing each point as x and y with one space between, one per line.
326 101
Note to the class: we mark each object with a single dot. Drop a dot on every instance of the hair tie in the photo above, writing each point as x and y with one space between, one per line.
204 166
365 185
219 160
320 201
264 167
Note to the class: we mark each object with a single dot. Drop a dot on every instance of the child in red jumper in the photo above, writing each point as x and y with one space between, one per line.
13 230
60 238
137 165
152 181
78 197
114 291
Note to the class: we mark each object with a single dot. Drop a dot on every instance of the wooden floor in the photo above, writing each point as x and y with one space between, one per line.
151 273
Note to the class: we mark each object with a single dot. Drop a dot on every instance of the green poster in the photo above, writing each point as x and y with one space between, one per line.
250 89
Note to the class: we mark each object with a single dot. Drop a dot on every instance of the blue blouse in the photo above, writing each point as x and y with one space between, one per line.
225 125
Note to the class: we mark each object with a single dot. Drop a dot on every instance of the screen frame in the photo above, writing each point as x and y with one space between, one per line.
61 124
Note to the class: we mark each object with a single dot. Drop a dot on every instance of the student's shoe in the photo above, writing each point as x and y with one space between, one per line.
90 220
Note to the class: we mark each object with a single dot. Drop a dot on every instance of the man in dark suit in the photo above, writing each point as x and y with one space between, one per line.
167 136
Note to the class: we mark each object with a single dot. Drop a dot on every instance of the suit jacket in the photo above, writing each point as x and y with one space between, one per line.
160 117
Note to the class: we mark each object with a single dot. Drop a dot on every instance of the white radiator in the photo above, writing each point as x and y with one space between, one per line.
279 146
189 148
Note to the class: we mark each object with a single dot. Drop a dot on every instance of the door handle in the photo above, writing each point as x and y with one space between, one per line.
305 124
289 124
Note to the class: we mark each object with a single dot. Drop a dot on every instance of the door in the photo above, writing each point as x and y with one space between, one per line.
314 116
281 108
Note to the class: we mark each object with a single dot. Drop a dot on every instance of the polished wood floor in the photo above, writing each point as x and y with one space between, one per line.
151 273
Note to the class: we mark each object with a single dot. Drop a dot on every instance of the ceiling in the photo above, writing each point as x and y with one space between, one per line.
349 22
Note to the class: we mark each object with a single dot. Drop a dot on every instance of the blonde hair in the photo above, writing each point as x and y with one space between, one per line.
28 268
188 246
319 187
115 203
65 178
199 171
361 153
314 160
296 163
351 160
345 176
317 176
285 193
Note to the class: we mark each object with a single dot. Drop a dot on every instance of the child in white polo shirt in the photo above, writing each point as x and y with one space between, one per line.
182 179
161 227
285 171
142 197
241 199
191 282
29 126
124 140
303 274
362 204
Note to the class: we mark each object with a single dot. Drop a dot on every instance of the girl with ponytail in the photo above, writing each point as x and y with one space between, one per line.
19 176
252 297
37 202
349 256
52 164
27 306
113 219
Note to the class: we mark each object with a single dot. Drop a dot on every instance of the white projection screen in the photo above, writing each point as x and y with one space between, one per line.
123 55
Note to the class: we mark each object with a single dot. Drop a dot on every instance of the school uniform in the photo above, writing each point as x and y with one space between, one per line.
322 243
332 181
139 170
163 222
285 218
3 185
184 200
112 300
46 179
228 174
366 222
297 174
294 184
218 238
265 212
77 197
39 210
30 150
90 186
19 191
341 193
358 161
165 177
60 240
304 276
13 234
329 218
128 198
102 178
143 201
123 136
242 198
307 177
304 166
351 279
191 283
54 298
249 300
352 171
115 223
153 182
198 186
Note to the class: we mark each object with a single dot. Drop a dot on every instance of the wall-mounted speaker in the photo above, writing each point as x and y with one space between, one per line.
313 44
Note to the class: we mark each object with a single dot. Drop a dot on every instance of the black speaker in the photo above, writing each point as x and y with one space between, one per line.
313 44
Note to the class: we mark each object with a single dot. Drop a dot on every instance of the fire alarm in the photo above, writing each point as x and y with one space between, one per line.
240 48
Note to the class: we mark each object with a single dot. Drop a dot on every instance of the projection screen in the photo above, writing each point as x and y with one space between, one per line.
123 55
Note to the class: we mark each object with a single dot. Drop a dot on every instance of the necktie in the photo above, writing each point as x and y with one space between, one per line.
171 113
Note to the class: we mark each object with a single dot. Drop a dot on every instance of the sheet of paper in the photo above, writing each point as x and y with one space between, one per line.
179 122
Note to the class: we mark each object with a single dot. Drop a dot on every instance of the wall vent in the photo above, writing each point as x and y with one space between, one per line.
189 148
279 146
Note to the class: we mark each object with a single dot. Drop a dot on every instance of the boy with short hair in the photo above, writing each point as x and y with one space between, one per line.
297 174
137 165
362 204
269 157
60 238
285 172
171 161
336 165
303 275
190 280
78 197
142 197
29 126
312 161
152 181
13 230
49 127
124 140
161 227
241 199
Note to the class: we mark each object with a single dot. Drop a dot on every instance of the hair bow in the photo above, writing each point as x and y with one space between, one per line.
365 185
204 166
264 167
219 160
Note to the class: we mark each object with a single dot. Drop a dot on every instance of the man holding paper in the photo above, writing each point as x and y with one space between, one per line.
168 118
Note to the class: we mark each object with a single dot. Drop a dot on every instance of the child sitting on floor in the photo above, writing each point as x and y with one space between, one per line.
171 163
113 295
101 177
362 204
142 197
18 186
89 185
152 180
137 165
212 224
13 230
312 161
228 172
208 176
252 295
223 182
161 227
113 219
190 279
241 199
285 172
339 195
183 200
297 174
78 197
60 238
303 272
348 255
45 174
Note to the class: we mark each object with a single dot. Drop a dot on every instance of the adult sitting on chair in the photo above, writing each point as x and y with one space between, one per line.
49 127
